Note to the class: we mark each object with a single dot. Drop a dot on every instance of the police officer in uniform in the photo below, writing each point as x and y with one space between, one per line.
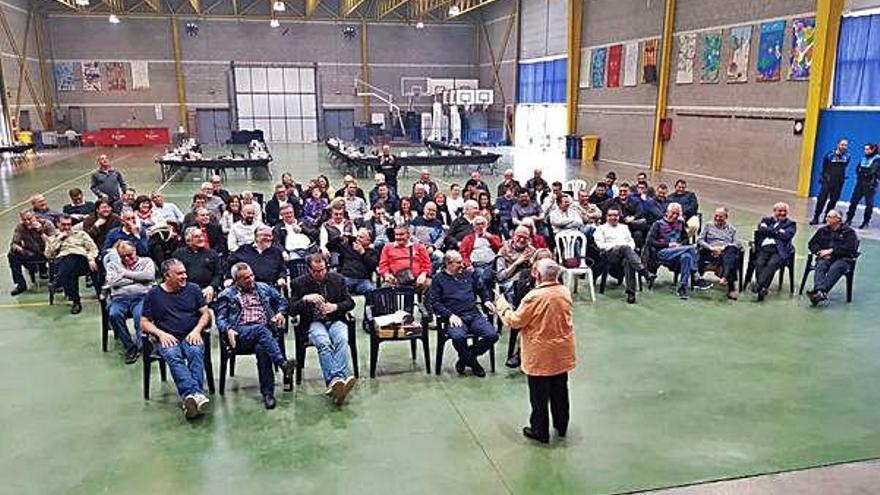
831 183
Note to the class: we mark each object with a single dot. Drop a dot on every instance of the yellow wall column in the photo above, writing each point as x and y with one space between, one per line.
828 13
365 70
663 84
575 24
178 70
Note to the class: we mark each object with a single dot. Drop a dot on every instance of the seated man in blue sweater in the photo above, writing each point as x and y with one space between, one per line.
130 231
454 298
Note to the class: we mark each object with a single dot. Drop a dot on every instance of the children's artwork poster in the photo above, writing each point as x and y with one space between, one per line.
803 36
770 51
615 57
710 69
65 80
687 51
631 64
586 73
597 69
91 76
117 79
650 58
140 75
740 49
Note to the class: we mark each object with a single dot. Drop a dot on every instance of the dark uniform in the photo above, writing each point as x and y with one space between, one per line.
831 182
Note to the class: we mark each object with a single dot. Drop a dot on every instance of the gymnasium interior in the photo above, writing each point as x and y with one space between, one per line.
743 99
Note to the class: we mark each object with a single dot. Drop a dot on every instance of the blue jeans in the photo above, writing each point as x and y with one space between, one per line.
686 258
359 286
828 272
587 229
122 307
187 365
480 327
486 274
332 345
259 339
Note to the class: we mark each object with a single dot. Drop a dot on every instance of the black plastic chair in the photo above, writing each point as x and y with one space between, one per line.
849 275
603 269
301 343
388 300
788 265
443 337
228 355
150 354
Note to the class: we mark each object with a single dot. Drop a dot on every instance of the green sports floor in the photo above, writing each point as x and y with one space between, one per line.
667 392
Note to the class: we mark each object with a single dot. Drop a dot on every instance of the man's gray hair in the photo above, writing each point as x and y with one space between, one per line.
471 203
191 232
170 263
451 255
238 267
549 270
263 228
673 206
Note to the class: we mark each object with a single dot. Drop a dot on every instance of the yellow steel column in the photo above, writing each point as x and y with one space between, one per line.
828 13
575 23
178 70
365 69
663 84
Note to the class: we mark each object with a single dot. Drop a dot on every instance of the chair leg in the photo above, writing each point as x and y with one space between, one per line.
374 355
781 276
232 364
426 348
592 287
806 275
209 367
412 349
602 280
791 278
492 358
511 343
353 348
300 361
849 286
163 370
223 361
441 343
147 368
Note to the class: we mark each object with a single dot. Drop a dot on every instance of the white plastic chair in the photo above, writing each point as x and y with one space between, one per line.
573 244
575 185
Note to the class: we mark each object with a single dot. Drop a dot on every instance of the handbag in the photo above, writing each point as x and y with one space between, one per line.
406 276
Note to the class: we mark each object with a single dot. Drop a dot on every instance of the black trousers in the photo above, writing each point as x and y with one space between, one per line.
729 261
864 189
68 270
552 390
829 194
630 263
766 264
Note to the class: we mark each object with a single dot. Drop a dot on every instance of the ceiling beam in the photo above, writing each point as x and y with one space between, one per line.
196 5
311 7
419 8
466 6
385 7
154 4
115 5
68 3
346 7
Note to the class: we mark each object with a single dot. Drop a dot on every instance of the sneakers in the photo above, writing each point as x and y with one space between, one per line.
682 293
347 385
630 297
702 284
514 361
132 355
762 293
818 297
202 403
269 402
19 289
336 389
76 308
190 407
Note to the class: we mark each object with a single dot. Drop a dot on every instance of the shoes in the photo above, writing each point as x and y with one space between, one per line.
650 278
190 407
733 295
864 225
818 297
288 368
337 385
132 355
459 367
630 298
811 292
762 293
18 290
814 221
528 433
76 308
477 369
202 403
269 401
682 293
848 222
561 433
702 284
44 275
347 385
514 361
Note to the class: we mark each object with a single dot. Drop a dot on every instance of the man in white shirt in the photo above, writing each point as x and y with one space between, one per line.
618 247
244 230
213 203
355 205
169 211
565 217
290 235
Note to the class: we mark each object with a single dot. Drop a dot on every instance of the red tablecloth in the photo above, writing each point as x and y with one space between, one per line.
126 136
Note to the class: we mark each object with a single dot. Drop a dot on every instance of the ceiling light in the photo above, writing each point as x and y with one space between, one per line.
82 3
113 19
420 25
279 6
274 23
454 11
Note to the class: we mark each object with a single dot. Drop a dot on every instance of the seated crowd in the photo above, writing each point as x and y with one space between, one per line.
306 250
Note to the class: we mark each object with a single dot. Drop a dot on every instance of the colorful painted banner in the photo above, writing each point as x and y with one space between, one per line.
631 64
615 57
687 51
650 58
140 75
740 48
770 51
803 36
710 69
91 76
65 80
597 69
117 79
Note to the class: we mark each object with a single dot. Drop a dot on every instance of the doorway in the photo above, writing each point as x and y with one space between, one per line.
213 125
339 123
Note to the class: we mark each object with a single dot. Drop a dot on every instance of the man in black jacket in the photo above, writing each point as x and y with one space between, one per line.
203 265
773 247
631 213
359 260
835 247
321 300
272 214
265 258
212 233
